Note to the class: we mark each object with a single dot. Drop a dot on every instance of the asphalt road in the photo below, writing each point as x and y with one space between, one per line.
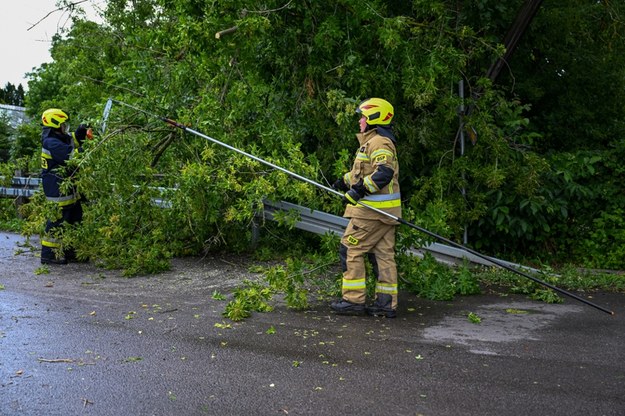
86 341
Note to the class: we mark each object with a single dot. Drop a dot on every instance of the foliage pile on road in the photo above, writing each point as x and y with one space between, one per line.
543 179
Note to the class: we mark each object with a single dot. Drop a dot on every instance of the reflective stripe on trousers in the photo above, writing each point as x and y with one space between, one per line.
364 236
64 200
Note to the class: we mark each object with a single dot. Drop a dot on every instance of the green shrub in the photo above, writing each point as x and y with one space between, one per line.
605 247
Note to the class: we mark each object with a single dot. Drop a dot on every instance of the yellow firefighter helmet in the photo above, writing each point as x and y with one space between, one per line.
377 111
53 117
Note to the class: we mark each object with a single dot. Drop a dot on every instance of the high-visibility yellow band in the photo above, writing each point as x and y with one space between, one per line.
354 284
51 244
382 152
63 201
362 156
350 199
76 144
69 202
386 288
394 203
371 186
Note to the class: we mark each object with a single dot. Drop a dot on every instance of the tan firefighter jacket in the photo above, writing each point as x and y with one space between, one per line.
376 164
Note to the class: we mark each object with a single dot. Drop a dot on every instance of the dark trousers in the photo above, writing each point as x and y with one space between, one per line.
70 214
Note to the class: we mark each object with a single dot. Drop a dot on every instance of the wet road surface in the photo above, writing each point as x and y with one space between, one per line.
86 341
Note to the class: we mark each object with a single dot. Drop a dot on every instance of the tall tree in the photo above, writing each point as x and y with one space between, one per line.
5 135
12 95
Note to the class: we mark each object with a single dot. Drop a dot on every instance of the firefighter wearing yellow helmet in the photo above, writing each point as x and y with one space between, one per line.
57 147
373 180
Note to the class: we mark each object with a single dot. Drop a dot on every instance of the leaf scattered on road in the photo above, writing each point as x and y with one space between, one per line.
517 311
473 318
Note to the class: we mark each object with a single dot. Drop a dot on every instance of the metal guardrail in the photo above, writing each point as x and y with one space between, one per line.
320 222
24 187
313 221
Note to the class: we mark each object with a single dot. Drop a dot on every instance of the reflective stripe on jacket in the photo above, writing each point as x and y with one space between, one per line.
376 164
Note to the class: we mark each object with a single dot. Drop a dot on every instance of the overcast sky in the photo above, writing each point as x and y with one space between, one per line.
22 49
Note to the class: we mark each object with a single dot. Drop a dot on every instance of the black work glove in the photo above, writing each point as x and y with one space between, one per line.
356 192
81 133
340 185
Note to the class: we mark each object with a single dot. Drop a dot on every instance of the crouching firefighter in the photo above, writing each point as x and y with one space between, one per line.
57 147
373 180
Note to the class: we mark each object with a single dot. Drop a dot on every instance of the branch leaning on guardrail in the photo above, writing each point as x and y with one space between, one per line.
379 211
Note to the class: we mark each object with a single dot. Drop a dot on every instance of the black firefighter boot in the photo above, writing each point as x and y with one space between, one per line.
382 306
48 256
345 307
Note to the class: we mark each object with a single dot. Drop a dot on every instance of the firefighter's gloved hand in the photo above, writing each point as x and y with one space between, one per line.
356 192
340 185
81 133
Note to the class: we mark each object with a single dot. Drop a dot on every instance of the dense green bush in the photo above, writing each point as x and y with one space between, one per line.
605 245
541 175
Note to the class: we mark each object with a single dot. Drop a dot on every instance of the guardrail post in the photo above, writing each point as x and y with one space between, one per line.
20 199
255 234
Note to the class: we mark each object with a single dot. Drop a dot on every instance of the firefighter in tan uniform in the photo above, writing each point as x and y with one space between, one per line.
373 180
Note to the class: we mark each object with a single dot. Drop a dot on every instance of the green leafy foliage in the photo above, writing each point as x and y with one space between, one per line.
432 280
248 298
606 243
5 135
474 318
298 280
9 221
25 151
543 172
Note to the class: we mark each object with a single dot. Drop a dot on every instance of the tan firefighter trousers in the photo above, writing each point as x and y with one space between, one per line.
377 239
